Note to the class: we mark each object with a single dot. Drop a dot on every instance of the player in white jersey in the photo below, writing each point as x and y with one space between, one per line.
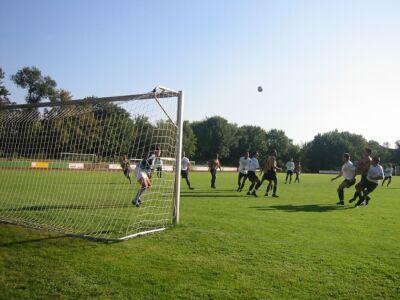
142 172
348 171
243 168
289 170
251 174
158 163
185 165
388 175
375 173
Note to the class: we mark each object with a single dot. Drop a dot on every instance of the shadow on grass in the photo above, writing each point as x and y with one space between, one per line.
208 195
197 191
302 208
71 206
98 183
31 241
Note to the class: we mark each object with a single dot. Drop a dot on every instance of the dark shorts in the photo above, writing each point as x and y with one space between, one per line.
347 183
241 175
127 171
252 175
270 175
289 172
363 182
370 186
388 177
184 173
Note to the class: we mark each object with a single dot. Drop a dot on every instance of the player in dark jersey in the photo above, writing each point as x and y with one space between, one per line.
297 171
270 169
362 168
126 167
213 166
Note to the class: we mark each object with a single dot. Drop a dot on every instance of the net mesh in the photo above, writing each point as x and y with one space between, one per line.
60 166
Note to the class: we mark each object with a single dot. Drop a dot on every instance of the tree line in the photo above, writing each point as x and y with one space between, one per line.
202 140
104 129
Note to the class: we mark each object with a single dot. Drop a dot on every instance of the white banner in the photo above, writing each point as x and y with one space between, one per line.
76 166
114 167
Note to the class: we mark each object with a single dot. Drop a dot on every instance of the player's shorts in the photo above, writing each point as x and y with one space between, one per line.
252 175
127 171
184 173
270 175
370 186
289 172
347 183
363 182
241 175
140 174
388 177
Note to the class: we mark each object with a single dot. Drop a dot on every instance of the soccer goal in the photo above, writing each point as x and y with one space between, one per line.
61 164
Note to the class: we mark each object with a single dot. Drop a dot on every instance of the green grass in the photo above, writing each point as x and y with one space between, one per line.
227 246
96 204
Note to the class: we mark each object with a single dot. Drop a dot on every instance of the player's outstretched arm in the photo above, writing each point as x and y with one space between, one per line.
334 178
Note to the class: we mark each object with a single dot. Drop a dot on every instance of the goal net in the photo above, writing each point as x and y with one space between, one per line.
62 168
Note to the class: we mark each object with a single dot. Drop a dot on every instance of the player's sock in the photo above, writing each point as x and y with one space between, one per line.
139 194
359 202
341 195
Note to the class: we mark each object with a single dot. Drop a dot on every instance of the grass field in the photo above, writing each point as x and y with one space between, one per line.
227 246
90 203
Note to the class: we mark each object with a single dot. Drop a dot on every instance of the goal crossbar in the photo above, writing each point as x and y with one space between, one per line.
151 95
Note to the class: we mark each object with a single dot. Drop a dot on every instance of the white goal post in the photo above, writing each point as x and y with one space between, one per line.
62 164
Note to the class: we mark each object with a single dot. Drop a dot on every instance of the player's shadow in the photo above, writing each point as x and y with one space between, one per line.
207 191
208 195
301 208
31 241
97 183
67 206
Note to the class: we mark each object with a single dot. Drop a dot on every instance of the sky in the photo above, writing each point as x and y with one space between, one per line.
323 65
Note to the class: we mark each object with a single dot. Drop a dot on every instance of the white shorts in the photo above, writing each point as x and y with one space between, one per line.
140 174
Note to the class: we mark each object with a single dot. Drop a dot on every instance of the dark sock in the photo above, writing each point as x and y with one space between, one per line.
341 195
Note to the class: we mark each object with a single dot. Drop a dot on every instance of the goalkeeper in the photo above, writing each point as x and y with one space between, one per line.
142 172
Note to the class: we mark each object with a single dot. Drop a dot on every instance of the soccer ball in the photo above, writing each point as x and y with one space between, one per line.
260 89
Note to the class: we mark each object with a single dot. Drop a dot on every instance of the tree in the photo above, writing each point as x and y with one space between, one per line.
60 95
325 151
383 152
277 139
214 135
396 153
189 139
248 138
39 87
3 90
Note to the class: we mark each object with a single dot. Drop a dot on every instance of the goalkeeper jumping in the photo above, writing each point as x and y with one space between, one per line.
142 172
